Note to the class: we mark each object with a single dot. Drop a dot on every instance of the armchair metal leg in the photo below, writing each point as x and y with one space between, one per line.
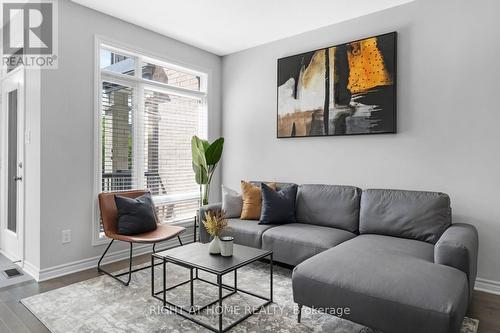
299 315
116 277
130 270
129 267
102 257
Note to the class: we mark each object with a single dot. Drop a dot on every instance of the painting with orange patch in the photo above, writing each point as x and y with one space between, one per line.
366 66
345 89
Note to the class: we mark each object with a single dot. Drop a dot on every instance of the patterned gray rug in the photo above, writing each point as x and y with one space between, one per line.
103 305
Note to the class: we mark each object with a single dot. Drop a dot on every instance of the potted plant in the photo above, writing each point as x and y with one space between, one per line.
205 156
215 222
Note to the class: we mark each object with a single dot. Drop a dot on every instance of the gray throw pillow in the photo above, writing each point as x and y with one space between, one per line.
232 202
278 207
135 215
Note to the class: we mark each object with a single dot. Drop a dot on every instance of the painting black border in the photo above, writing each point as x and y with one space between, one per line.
394 131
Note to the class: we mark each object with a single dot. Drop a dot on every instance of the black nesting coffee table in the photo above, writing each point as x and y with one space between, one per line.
195 257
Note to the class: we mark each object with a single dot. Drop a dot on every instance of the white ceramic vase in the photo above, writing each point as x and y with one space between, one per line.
214 246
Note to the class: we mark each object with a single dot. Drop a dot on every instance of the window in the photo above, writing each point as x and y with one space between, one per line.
148 112
116 137
115 62
170 76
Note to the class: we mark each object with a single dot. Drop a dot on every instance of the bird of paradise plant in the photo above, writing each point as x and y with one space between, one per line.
205 157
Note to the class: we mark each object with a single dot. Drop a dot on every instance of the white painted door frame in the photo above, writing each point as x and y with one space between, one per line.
12 243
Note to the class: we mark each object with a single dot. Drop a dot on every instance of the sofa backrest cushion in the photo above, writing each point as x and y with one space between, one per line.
279 185
416 215
329 205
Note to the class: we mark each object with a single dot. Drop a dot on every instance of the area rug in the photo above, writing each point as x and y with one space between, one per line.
103 305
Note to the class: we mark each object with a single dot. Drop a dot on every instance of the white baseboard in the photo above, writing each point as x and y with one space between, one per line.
81 265
488 286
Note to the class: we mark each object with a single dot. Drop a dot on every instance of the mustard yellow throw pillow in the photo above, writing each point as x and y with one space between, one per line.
252 200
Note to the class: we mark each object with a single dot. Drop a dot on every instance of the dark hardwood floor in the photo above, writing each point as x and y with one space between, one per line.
486 308
15 318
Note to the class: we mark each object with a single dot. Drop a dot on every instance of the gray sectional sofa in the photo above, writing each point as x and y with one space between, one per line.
392 257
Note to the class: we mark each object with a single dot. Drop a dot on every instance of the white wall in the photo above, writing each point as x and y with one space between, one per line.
448 115
67 133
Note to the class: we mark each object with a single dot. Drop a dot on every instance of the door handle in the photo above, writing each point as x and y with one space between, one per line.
18 179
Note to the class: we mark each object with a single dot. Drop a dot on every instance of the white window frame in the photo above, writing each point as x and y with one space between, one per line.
136 82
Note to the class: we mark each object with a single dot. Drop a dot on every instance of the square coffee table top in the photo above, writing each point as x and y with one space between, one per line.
196 255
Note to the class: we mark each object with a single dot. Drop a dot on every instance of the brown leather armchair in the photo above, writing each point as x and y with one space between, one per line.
109 216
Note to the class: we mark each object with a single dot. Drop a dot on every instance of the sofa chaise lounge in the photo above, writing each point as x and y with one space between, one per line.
392 257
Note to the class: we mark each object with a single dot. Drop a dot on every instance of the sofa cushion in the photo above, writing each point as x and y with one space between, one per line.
390 284
279 185
246 232
295 242
232 202
409 214
278 207
329 205
252 200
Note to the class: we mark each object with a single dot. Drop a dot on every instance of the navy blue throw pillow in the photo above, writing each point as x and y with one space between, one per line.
278 207
135 215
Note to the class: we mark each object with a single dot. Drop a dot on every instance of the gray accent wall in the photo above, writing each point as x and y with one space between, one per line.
448 118
67 124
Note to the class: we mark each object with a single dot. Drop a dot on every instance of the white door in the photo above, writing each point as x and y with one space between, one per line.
12 165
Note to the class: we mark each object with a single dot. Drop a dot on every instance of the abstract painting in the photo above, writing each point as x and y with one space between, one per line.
346 89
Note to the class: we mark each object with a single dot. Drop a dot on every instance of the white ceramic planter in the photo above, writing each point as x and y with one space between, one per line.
214 246
226 246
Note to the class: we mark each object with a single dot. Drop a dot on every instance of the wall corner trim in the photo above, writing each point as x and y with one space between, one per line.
31 269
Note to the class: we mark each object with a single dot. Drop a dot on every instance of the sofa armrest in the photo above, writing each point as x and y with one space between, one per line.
204 236
458 247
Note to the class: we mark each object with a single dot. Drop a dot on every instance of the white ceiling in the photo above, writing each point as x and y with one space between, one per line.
227 26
